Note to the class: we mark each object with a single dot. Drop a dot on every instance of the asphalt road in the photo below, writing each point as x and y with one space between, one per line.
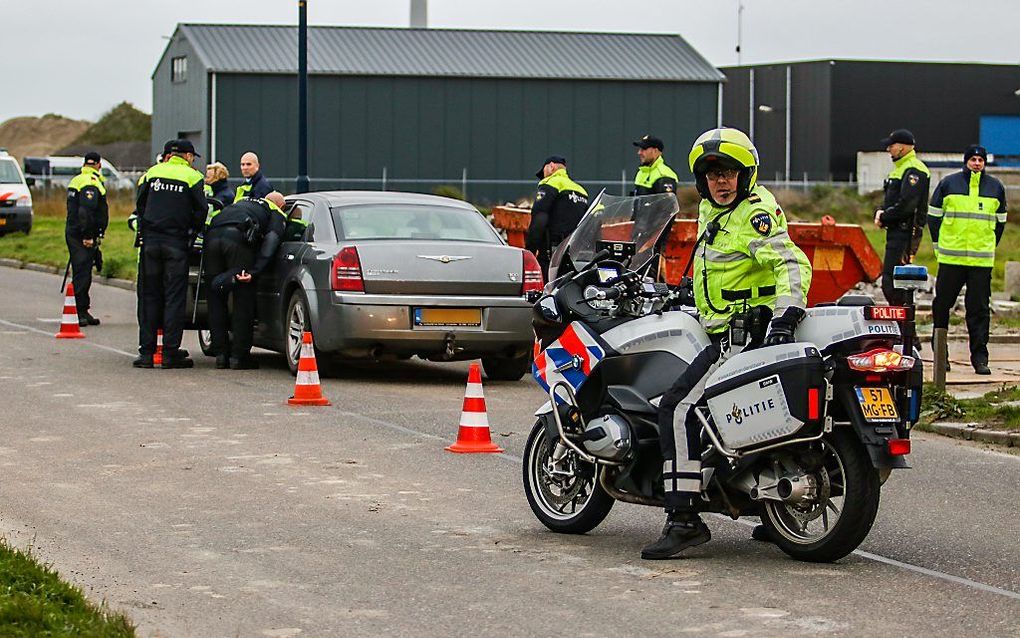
201 505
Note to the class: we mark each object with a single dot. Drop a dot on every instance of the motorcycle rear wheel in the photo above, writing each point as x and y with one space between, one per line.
572 504
846 510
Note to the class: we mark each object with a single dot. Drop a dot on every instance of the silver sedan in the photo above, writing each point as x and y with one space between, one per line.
384 275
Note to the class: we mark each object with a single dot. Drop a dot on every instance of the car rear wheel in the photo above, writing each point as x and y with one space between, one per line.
205 342
296 322
506 368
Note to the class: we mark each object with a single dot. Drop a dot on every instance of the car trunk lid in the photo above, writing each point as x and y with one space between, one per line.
440 268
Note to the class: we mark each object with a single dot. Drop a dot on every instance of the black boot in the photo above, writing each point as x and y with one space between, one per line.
174 359
222 361
143 361
682 530
761 533
981 367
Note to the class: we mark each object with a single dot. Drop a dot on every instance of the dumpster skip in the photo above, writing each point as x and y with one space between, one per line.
840 254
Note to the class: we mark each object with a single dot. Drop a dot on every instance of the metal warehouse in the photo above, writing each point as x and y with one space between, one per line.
435 105
810 118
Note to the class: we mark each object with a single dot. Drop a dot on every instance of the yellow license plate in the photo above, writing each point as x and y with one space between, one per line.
3 220
877 404
447 316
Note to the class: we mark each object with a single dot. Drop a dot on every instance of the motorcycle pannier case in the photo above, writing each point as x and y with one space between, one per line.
763 395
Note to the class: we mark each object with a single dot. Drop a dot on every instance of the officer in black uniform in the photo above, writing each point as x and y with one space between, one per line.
904 210
171 209
239 244
87 218
560 203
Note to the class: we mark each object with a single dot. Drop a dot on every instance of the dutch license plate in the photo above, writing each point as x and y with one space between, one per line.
877 404
3 221
460 317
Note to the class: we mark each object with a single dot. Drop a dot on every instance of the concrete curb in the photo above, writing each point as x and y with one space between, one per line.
125 284
971 432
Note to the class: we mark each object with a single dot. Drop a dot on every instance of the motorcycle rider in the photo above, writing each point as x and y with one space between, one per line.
746 271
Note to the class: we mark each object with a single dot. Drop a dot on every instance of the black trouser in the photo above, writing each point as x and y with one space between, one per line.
225 249
82 261
897 245
680 429
164 278
951 279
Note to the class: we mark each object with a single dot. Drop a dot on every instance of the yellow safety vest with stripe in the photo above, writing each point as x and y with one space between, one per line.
647 176
751 261
968 205
88 177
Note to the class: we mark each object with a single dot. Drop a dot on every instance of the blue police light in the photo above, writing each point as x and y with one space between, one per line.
910 277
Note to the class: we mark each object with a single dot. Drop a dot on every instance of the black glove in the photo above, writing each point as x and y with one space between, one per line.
782 327
225 281
98 260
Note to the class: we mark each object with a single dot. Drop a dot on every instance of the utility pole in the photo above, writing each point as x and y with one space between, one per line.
740 27
302 177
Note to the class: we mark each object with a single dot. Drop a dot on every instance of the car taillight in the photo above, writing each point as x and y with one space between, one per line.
345 272
899 447
533 281
880 360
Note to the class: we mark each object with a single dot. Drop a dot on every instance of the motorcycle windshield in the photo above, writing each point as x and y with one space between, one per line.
640 220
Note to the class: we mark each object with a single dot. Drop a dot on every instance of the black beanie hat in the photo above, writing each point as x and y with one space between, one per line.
975 149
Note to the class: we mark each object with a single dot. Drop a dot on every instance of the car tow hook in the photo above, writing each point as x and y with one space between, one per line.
450 348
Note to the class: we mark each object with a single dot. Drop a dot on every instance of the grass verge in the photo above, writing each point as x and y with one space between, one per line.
46 245
997 410
35 602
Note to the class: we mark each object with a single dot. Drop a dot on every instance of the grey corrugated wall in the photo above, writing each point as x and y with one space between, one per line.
179 107
434 127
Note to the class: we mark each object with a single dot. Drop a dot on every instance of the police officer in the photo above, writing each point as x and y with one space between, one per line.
255 183
239 245
904 209
966 218
216 184
171 209
653 175
745 267
296 225
87 218
560 203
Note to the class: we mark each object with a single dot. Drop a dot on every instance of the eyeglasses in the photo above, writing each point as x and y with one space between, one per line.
725 174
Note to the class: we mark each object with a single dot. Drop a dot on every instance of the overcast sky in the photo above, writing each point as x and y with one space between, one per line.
51 47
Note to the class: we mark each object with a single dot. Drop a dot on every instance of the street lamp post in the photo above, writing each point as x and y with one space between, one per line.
302 177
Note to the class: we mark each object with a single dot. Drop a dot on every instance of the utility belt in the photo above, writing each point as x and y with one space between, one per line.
248 227
747 293
749 327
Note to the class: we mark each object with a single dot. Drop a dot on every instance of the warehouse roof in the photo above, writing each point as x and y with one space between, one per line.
450 53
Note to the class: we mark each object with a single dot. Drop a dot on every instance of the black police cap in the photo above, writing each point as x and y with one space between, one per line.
647 141
899 136
180 146
93 157
559 159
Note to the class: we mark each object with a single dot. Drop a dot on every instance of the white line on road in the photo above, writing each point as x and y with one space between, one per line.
50 334
959 580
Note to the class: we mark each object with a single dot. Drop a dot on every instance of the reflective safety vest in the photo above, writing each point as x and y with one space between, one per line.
647 176
969 205
208 190
751 261
88 177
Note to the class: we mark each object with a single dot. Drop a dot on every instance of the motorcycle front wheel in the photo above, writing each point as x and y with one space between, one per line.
564 492
840 517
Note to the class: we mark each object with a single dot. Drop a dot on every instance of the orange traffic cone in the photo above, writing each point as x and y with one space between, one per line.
69 320
306 389
473 436
157 358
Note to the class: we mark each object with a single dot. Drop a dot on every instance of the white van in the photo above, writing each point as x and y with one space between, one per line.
59 170
15 199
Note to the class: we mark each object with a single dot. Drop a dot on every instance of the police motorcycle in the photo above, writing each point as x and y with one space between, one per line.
802 435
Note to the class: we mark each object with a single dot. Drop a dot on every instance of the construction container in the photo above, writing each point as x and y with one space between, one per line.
840 254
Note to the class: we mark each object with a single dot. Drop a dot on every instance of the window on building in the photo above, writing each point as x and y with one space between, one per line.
179 69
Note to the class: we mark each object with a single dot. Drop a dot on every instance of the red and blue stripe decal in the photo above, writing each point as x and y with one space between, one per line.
570 358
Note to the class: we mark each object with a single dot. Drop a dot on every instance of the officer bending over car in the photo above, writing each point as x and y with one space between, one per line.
240 242
747 271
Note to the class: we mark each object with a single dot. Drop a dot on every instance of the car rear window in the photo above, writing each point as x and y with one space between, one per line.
400 221
9 172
